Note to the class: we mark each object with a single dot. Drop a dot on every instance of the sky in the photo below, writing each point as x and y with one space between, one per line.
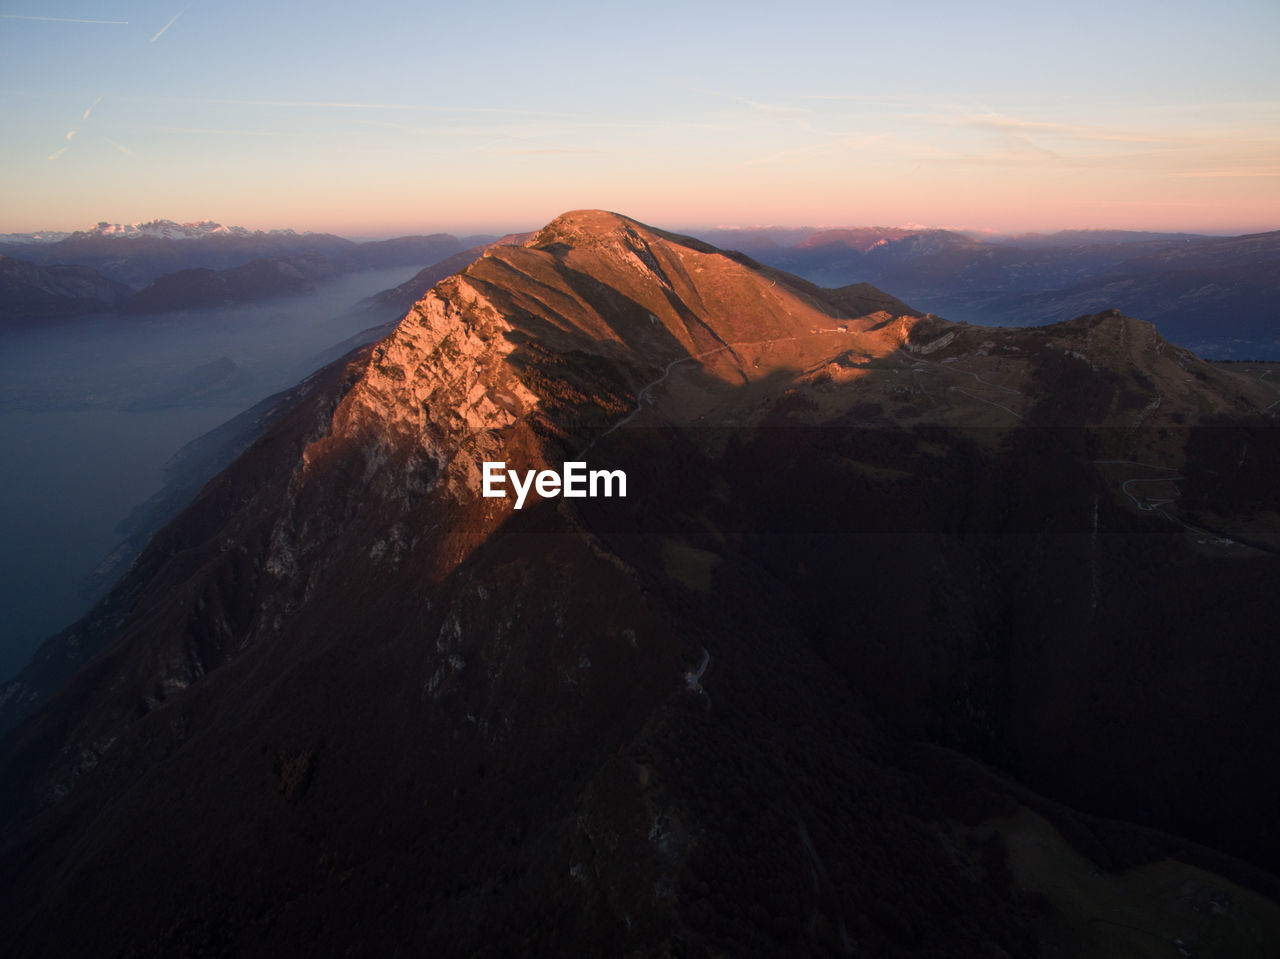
377 119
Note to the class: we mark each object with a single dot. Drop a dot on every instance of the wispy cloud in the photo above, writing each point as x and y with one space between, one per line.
1264 171
479 131
1008 124
121 147
221 131
868 97
19 16
551 151
775 111
56 153
90 110
1058 136
357 105
70 135
160 32
832 146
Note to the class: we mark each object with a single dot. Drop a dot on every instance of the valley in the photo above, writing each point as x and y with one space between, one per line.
92 417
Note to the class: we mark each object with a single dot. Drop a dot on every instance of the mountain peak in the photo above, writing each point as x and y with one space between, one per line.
488 348
171 230
585 228
165 229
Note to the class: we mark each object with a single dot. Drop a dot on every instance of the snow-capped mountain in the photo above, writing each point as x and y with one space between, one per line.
43 236
137 253
169 230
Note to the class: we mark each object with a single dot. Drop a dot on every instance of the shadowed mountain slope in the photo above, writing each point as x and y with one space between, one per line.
31 293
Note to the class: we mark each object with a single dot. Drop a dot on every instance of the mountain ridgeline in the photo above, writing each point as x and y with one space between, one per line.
1218 295
891 607
167 267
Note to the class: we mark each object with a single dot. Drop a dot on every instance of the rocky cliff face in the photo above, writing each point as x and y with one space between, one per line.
405 715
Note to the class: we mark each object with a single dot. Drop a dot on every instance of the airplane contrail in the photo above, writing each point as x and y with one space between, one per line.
121 147
90 110
169 24
19 16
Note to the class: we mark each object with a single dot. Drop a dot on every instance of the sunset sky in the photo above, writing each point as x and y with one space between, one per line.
376 119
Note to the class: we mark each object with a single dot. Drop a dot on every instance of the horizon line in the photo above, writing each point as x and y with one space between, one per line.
373 232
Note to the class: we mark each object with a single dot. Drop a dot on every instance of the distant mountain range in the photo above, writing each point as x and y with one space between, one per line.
167 266
155 229
908 638
256 280
31 293
1217 295
137 254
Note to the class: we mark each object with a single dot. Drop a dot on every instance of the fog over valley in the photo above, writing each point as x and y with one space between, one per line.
92 410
